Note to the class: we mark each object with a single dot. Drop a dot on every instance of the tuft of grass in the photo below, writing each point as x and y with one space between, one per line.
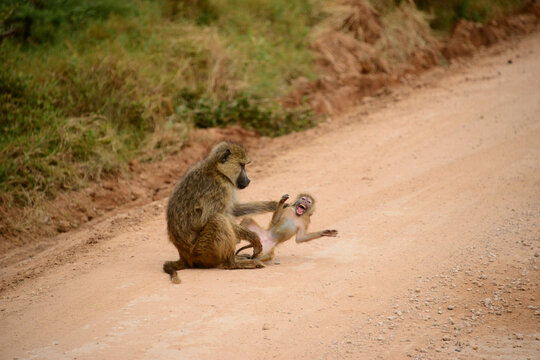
105 86
203 12
405 31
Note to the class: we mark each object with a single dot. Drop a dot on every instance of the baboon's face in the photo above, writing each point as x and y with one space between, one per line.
232 163
303 205
242 181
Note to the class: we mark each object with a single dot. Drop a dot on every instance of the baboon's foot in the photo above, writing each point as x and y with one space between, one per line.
175 279
244 264
170 267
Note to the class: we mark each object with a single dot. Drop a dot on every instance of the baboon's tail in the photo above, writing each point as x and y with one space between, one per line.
170 267
243 248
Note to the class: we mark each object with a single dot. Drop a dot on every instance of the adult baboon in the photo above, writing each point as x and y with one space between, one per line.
201 210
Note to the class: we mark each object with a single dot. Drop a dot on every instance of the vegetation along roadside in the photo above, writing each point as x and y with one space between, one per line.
86 87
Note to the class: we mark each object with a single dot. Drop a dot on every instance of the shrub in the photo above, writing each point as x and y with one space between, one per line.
42 21
267 118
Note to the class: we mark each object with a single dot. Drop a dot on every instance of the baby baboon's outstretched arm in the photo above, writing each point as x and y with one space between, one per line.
301 236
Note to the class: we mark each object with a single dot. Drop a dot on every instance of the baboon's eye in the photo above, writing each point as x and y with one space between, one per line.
225 156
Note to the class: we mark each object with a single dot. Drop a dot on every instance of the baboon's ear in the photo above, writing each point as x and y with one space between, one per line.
225 156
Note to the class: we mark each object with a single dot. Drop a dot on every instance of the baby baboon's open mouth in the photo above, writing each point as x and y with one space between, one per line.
300 209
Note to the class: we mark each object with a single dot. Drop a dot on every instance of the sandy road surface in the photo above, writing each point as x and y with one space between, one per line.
436 195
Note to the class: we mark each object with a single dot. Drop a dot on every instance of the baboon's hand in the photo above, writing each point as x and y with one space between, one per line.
284 198
332 233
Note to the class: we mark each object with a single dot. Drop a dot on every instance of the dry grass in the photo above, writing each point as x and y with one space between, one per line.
357 39
406 32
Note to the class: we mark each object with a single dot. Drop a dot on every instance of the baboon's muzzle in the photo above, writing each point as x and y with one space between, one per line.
243 180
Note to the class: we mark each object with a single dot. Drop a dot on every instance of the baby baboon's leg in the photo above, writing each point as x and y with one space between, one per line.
171 268
243 233
215 244
268 256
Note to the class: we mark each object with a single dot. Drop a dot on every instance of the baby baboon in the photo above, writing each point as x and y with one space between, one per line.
286 222
201 210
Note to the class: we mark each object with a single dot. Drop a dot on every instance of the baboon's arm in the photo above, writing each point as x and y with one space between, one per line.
301 236
254 207
279 211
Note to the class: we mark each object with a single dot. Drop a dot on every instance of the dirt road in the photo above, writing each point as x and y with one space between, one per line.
435 191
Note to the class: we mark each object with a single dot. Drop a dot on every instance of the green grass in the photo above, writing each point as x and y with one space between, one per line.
205 112
85 86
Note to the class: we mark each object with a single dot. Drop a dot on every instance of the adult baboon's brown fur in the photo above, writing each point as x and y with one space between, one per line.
201 210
